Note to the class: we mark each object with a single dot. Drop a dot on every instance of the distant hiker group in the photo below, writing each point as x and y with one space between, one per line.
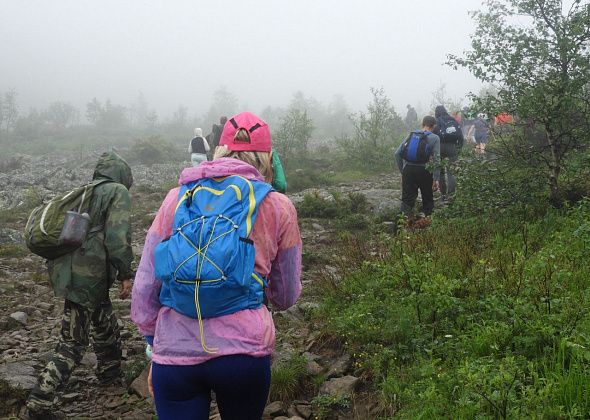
427 158
223 248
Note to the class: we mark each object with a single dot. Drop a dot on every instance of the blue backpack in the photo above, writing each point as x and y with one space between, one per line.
415 148
207 265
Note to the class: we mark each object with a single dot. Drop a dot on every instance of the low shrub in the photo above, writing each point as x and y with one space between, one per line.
332 206
152 150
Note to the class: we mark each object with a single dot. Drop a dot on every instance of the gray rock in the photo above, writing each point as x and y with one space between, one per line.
11 236
72 396
45 306
20 317
308 306
344 386
339 367
89 359
317 227
304 410
292 412
139 386
313 368
274 409
19 374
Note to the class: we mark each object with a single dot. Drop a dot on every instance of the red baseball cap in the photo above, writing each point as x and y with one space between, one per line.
259 134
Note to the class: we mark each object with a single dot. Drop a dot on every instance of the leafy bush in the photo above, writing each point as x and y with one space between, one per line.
152 150
376 132
333 206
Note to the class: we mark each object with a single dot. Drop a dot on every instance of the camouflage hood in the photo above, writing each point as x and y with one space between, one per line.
112 166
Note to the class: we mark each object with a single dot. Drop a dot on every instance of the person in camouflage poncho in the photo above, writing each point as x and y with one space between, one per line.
83 278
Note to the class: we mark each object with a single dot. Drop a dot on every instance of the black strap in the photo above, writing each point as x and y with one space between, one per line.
234 123
254 127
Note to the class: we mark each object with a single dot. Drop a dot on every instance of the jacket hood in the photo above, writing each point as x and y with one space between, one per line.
218 168
439 111
112 166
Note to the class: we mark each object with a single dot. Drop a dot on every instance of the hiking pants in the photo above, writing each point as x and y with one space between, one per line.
241 384
414 178
76 328
447 178
197 158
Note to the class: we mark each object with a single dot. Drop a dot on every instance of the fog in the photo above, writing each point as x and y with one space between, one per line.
180 52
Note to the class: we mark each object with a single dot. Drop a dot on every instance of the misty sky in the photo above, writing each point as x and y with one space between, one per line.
179 52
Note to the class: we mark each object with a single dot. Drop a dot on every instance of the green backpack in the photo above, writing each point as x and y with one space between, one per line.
59 227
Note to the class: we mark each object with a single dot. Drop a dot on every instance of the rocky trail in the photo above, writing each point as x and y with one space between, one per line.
30 315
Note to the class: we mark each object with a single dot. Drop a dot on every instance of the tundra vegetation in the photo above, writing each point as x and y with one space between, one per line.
484 314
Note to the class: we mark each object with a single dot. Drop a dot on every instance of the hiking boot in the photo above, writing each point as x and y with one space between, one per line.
111 376
41 414
112 380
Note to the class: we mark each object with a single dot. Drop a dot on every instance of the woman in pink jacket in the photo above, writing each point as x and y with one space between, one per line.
228 354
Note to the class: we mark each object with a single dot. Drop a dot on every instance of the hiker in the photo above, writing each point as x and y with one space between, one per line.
83 277
279 181
451 142
466 122
198 148
411 118
215 134
206 336
420 148
479 131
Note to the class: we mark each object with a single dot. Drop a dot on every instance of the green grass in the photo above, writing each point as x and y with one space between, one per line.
469 319
287 379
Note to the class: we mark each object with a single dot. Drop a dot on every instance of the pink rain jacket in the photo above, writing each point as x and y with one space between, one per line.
251 331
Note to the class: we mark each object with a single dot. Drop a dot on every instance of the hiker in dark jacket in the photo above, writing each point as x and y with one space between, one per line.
83 278
411 120
415 176
215 135
451 142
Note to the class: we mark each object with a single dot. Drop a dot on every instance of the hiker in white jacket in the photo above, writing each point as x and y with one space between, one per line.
198 148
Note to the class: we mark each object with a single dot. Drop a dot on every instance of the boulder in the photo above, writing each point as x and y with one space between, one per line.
274 409
19 374
304 410
20 316
140 385
343 386
89 359
339 367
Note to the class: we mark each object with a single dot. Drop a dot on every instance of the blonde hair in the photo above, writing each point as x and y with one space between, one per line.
260 160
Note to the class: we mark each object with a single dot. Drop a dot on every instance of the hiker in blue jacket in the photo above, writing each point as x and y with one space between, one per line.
412 156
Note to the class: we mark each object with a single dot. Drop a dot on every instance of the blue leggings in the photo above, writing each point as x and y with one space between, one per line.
240 382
